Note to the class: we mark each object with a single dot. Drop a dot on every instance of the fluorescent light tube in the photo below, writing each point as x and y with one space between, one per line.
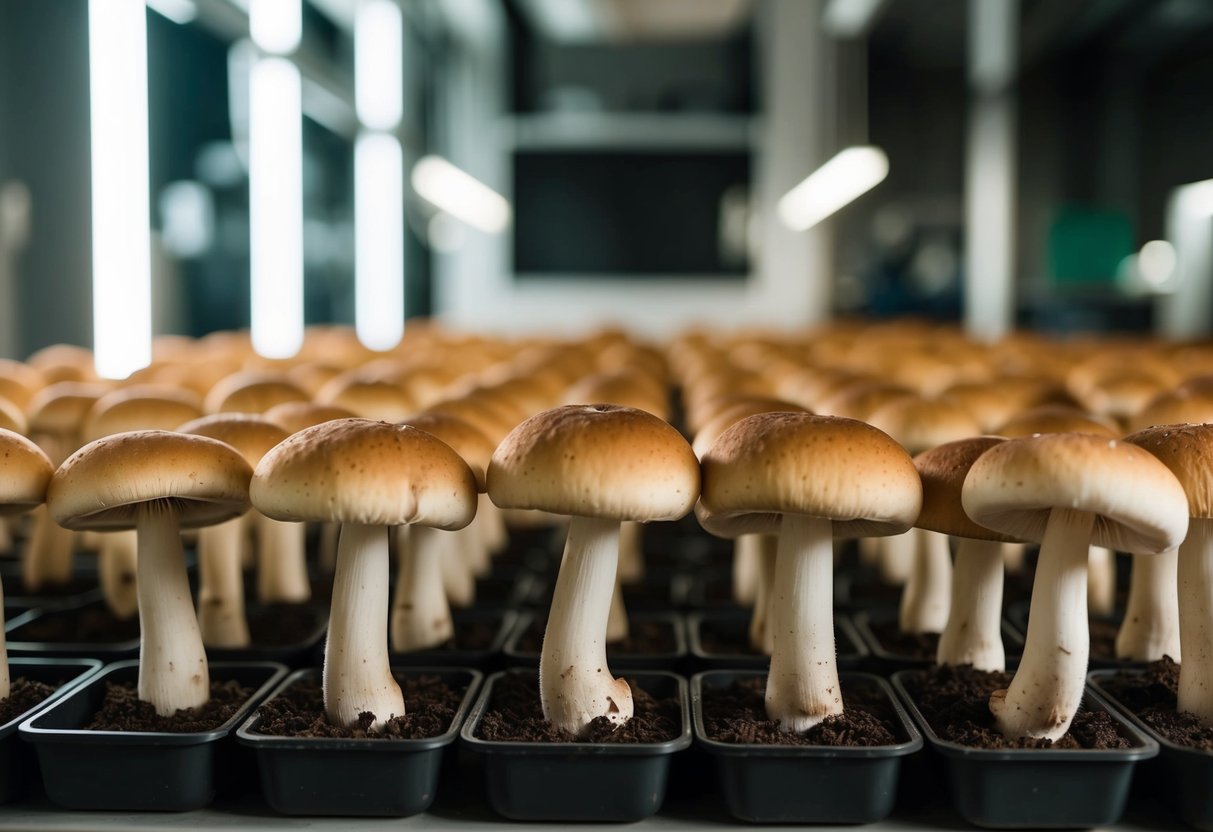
378 64
178 11
378 240
847 176
460 194
122 271
276 207
276 26
849 18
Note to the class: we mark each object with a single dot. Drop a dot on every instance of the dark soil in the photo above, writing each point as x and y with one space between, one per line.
281 625
515 715
737 714
1151 694
867 590
23 695
646 638
912 645
76 586
90 624
726 638
123 710
470 635
955 702
430 705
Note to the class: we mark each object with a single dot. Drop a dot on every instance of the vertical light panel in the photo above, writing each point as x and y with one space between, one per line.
379 240
276 207
122 274
379 64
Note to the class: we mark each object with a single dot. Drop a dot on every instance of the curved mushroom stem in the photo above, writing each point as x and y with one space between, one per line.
492 526
117 565
326 560
1046 691
281 562
973 634
5 686
575 684
618 626
926 596
458 582
631 552
421 616
476 552
221 585
1151 626
1101 582
802 688
746 569
897 558
1195 695
48 554
173 672
357 671
1014 557
762 635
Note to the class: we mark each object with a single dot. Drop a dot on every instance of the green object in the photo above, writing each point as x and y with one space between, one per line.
1086 245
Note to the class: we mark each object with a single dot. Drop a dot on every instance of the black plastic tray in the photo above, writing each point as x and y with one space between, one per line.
18 766
137 771
106 651
883 661
1185 773
806 784
849 647
578 781
321 776
1037 789
454 657
619 661
300 653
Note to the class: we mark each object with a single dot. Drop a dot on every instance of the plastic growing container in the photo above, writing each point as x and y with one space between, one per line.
851 652
885 660
20 644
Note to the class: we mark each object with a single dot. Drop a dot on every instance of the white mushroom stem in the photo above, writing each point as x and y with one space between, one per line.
357 672
326 561
492 525
973 634
48 554
618 626
1196 621
746 569
927 594
173 672
802 688
762 635
5 685
117 562
6 536
869 550
421 616
457 579
897 558
476 553
1101 582
1046 691
631 552
1014 557
1151 626
575 684
221 615
281 562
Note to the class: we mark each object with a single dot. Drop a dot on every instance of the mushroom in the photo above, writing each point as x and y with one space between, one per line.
25 472
368 398
973 634
367 476
281 561
156 482
252 391
601 465
1067 490
809 479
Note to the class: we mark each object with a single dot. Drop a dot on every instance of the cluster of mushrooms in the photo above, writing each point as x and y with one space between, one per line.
900 435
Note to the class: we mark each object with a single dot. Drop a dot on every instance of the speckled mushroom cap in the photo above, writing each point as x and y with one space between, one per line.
295 416
102 486
722 421
470 443
1139 505
943 470
11 417
250 391
614 463
140 407
1180 406
839 469
624 388
252 436
368 398
25 471
1187 450
921 424
370 473
1055 419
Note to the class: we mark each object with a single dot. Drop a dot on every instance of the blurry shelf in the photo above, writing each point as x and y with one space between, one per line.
632 131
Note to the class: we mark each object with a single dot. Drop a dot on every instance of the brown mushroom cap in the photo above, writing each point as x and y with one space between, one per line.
295 416
921 424
11 417
722 421
1055 419
140 407
252 436
385 401
371 473
61 408
25 472
943 470
1177 407
19 382
615 463
1188 451
843 470
624 388
471 444
250 391
1139 505
101 486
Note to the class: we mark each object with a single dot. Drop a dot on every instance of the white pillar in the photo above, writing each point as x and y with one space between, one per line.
1187 311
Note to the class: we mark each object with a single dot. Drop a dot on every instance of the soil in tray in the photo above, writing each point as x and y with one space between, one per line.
90 624
720 639
956 703
281 625
645 638
515 715
737 714
23 695
471 636
912 645
1151 695
76 586
123 710
430 705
